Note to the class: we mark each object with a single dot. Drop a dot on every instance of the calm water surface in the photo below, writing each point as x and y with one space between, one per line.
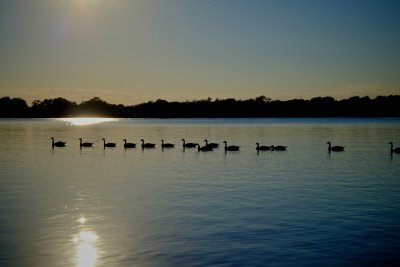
116 207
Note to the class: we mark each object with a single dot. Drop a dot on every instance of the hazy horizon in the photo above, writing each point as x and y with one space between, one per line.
130 52
29 103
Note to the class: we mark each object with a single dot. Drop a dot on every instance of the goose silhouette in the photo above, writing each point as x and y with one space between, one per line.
204 148
262 148
188 145
394 150
166 145
128 145
147 145
57 144
278 148
108 144
212 145
84 144
231 148
334 148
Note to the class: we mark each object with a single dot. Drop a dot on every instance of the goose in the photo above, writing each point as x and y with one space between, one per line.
394 150
204 148
231 148
108 144
147 145
166 145
212 145
278 148
335 148
188 145
262 148
57 144
84 144
128 145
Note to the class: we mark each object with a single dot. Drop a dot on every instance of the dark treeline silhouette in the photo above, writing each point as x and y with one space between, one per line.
381 106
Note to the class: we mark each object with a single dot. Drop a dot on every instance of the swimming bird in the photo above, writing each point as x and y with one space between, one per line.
212 145
128 145
231 148
278 148
84 144
147 145
262 148
166 145
204 148
108 144
57 144
188 145
394 150
335 148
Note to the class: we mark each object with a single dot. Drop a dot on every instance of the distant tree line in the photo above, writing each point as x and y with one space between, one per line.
381 106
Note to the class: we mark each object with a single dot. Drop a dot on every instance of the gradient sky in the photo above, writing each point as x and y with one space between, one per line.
132 51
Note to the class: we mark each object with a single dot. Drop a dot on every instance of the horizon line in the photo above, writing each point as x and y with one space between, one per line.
204 99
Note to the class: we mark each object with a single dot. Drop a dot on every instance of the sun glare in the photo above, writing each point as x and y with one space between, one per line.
86 254
86 121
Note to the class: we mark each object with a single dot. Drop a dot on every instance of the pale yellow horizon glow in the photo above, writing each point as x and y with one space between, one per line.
135 97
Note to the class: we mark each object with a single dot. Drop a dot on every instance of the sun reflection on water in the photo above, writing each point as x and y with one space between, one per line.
82 220
85 121
86 251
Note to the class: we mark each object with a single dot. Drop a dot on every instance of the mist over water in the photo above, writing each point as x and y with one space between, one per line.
174 207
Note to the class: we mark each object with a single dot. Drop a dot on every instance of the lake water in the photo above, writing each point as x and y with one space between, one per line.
175 207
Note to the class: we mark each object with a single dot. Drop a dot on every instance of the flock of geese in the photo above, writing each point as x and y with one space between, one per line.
207 147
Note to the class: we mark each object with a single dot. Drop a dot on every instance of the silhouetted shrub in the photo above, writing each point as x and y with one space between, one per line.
13 108
381 106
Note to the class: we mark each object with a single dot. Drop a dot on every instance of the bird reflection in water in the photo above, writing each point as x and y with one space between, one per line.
85 241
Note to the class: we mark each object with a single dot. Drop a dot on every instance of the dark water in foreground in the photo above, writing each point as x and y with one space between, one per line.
116 207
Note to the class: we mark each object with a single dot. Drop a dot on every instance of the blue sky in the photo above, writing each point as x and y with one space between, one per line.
131 51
